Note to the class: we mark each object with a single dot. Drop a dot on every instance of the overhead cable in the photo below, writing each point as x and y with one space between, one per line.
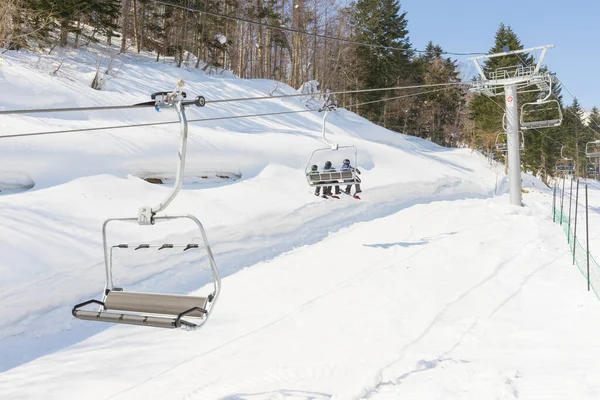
205 119
314 34
240 99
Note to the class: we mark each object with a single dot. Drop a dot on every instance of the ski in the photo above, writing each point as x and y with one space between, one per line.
355 196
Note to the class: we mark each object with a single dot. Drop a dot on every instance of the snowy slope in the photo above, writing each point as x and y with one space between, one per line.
429 287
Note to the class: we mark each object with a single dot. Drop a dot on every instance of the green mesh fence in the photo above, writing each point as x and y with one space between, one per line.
579 252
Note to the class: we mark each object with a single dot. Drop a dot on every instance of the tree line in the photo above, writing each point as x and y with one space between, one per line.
450 116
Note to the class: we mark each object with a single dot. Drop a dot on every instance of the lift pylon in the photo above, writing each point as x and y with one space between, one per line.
509 81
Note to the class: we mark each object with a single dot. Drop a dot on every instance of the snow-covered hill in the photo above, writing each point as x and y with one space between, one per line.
431 286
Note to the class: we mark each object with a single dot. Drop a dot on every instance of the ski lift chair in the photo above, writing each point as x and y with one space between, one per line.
152 309
331 178
564 166
592 149
502 146
531 118
534 115
591 168
562 154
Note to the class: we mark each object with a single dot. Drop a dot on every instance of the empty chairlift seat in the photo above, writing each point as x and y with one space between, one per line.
150 309
146 309
541 114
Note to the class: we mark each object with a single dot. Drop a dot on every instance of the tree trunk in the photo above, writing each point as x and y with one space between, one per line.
164 25
136 26
125 26
77 33
225 60
260 56
64 32
240 50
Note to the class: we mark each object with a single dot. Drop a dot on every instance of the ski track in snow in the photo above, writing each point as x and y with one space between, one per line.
310 224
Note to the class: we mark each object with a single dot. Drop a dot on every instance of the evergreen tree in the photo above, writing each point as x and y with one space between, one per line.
505 38
380 22
594 119
439 111
575 135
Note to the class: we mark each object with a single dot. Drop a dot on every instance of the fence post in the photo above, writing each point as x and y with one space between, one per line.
587 237
554 201
570 201
575 230
562 200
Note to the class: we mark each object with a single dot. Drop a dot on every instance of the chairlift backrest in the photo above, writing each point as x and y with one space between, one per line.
564 166
323 177
592 149
533 115
502 145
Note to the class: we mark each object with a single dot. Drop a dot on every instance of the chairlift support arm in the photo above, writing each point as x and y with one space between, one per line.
172 100
334 146
523 76
512 52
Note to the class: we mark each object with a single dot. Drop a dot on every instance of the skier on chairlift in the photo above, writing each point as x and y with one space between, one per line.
327 189
314 170
347 167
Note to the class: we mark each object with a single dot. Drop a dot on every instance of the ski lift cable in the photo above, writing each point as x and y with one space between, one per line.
206 119
240 99
314 34
571 111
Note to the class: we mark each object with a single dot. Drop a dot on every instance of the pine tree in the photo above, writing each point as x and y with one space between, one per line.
439 112
594 119
380 22
575 135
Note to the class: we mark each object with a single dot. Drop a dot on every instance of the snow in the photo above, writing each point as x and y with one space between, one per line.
431 287
221 38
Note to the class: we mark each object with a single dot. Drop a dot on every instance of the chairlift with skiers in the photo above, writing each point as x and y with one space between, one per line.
332 175
565 166
592 168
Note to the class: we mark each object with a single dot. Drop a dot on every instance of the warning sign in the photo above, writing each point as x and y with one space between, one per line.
509 99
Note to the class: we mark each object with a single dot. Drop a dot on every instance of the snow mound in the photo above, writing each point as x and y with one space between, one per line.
14 182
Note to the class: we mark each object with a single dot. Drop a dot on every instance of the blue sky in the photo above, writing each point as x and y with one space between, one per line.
469 26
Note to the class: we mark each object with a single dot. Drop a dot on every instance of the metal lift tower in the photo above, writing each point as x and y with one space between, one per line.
509 81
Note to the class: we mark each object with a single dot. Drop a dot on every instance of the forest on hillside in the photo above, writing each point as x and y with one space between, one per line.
290 41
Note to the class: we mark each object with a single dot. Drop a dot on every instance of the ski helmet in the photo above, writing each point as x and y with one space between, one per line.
328 164
314 167
346 162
